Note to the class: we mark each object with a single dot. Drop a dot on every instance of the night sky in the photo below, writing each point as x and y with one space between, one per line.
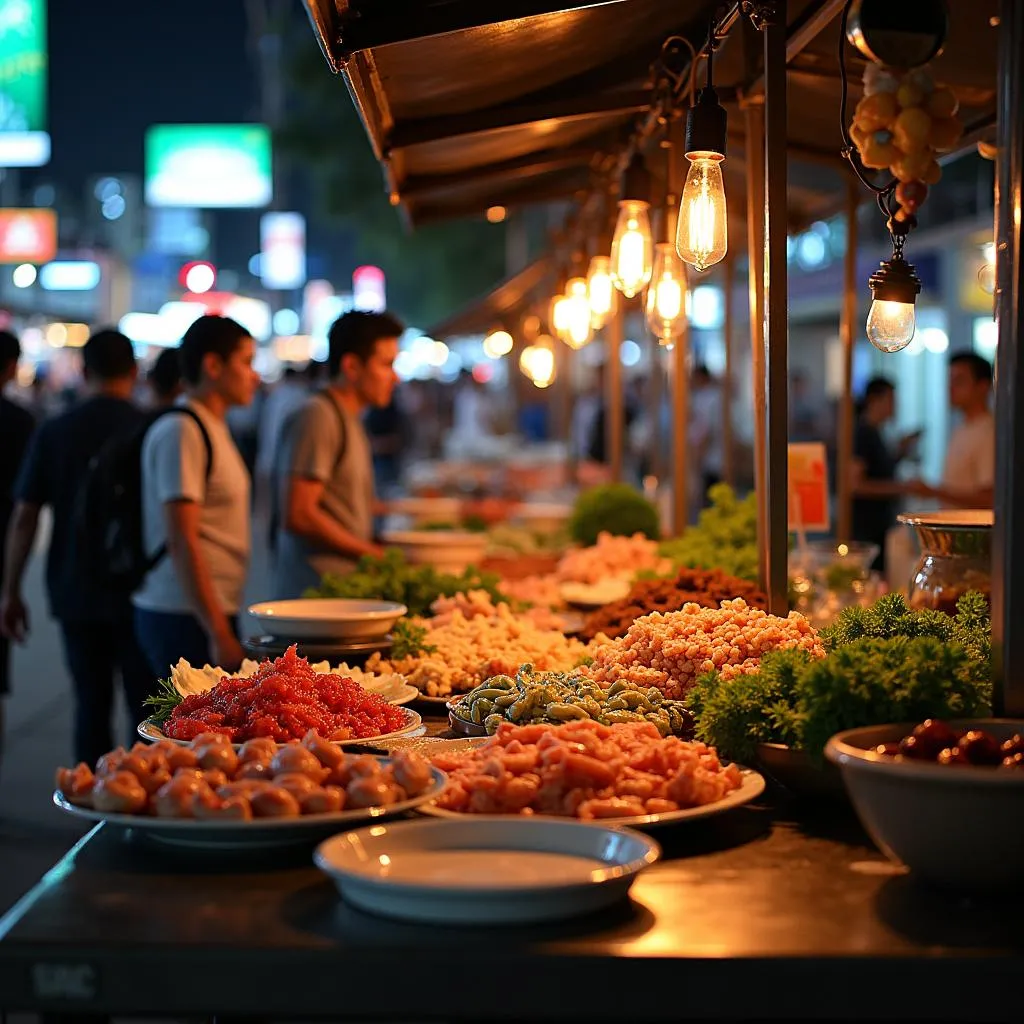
117 66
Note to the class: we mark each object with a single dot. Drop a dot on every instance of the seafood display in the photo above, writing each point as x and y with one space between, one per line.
210 781
705 587
557 697
462 652
282 701
670 650
612 556
584 770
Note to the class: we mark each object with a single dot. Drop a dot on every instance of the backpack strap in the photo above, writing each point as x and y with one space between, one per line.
342 425
161 552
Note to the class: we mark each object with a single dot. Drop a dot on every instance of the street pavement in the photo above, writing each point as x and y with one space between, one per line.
34 833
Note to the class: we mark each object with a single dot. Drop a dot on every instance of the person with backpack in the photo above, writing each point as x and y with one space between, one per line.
195 492
95 619
324 470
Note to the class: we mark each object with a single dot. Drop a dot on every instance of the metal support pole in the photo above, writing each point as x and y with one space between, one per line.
1008 543
681 349
847 338
728 452
754 116
680 420
776 344
615 421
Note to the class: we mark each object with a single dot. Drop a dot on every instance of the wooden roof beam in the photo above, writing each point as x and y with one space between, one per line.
571 108
367 25
531 165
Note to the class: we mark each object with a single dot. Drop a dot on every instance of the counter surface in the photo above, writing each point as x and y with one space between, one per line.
760 914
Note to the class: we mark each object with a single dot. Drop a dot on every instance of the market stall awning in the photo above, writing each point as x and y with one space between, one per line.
497 306
472 105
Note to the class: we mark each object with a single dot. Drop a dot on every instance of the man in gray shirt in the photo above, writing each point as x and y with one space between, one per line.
325 467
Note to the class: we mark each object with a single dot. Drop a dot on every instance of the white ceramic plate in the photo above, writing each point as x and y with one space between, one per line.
750 789
258 833
488 871
152 733
327 618
595 595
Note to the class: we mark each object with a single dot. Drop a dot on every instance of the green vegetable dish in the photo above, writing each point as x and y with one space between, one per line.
725 537
886 663
391 578
612 508
557 697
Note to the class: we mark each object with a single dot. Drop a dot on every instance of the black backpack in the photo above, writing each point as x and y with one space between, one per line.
274 522
109 537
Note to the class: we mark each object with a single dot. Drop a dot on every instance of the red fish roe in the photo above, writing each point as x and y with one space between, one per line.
283 701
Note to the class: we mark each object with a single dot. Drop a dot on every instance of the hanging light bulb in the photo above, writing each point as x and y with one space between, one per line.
702 233
600 291
537 362
558 315
632 247
894 289
497 344
666 294
578 328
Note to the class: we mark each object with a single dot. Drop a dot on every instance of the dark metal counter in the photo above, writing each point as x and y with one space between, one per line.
753 915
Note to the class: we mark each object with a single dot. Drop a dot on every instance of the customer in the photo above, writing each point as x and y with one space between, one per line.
195 505
875 489
705 432
164 379
95 623
16 425
325 473
969 476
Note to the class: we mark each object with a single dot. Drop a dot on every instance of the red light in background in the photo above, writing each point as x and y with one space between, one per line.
482 373
197 276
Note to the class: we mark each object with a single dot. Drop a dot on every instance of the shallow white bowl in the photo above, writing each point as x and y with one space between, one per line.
451 551
485 871
327 618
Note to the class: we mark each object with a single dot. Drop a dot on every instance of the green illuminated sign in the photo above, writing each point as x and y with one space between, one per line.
24 141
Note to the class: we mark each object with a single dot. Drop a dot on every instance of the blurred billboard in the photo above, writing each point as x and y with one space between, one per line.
208 165
24 140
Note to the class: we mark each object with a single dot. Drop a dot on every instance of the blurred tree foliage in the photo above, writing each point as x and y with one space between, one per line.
430 272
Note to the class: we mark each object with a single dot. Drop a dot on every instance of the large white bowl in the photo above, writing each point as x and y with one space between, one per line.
486 871
957 826
327 618
451 551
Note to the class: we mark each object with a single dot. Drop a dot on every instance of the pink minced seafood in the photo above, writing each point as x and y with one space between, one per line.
585 770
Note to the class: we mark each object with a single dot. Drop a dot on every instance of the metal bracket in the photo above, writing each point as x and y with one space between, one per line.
761 15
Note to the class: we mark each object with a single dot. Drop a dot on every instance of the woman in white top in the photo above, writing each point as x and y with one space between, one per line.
195 505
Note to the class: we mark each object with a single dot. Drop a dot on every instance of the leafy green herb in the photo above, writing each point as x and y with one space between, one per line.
612 508
391 578
886 663
164 701
409 640
725 537
840 577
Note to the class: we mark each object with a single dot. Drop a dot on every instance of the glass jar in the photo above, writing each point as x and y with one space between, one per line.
956 556
826 577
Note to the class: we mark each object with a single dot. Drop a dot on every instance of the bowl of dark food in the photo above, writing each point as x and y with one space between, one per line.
943 798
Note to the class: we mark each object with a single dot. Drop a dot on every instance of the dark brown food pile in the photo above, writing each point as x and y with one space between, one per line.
934 740
706 587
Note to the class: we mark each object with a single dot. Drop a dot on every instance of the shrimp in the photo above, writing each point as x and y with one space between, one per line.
363 765
111 762
274 802
262 748
76 784
296 783
330 755
236 808
373 791
323 800
174 800
119 793
217 756
411 772
254 770
610 807
295 758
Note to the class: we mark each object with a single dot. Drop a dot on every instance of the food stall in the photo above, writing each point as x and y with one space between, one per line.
780 910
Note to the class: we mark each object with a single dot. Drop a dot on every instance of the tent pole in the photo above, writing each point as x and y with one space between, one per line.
774 497
847 337
1008 542
615 421
726 390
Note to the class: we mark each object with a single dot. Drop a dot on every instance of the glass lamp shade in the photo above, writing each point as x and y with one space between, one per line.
702 234
632 256
666 294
